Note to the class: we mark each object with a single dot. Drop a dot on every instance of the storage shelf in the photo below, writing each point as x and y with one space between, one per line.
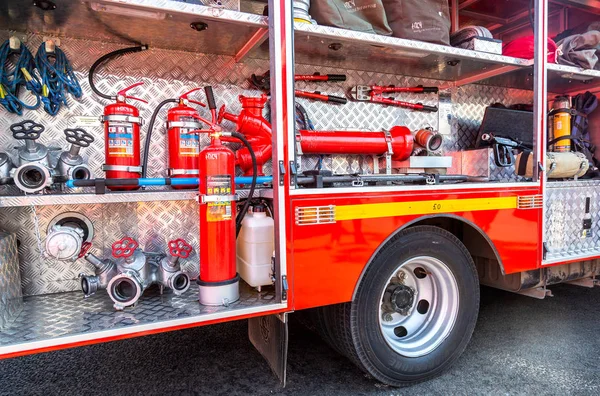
160 24
563 79
62 318
315 45
113 197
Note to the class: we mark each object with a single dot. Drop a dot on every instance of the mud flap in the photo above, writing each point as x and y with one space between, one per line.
269 335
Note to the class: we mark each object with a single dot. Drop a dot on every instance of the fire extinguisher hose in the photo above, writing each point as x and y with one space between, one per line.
240 217
149 134
106 57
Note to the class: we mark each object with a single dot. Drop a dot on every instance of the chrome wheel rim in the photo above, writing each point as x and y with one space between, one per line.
418 306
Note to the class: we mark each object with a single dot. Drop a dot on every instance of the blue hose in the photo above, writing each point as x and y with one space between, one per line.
23 75
58 79
189 181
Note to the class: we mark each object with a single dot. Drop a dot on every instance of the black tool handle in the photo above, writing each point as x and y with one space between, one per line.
337 99
429 89
210 97
336 77
432 109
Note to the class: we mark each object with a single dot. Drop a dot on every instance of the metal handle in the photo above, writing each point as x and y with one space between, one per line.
336 77
27 130
123 92
210 97
78 137
85 248
180 248
124 247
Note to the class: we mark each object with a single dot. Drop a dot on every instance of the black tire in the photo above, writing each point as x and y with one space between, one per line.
354 328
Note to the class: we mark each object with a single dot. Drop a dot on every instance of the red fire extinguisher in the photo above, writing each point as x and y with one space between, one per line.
122 139
218 281
184 144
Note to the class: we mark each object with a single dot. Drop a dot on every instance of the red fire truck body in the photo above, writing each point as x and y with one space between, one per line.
389 272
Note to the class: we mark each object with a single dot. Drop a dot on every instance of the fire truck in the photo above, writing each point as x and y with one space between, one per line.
275 164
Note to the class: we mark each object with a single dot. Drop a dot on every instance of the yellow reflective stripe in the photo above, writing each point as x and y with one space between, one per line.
370 211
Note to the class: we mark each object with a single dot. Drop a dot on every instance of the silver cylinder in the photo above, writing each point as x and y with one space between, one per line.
32 177
301 11
170 276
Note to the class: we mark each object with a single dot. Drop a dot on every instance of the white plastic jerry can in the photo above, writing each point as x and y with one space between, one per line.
255 245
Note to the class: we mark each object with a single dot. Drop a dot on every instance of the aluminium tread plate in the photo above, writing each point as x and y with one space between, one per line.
562 78
81 199
376 53
47 317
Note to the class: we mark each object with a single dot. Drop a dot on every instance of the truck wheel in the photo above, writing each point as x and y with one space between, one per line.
414 310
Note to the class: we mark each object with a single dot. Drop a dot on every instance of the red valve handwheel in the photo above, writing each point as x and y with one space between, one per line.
85 247
124 248
180 248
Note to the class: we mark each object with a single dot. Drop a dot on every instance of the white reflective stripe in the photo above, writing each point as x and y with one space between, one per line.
122 118
184 124
175 172
122 168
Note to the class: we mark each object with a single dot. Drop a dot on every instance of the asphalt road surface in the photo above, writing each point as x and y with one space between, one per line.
521 346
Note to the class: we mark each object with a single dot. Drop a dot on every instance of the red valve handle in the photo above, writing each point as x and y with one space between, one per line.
124 248
85 248
180 248
124 90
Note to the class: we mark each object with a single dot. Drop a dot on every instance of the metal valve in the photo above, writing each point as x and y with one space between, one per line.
70 164
134 271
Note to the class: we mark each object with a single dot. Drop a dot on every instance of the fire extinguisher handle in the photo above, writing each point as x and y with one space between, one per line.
134 98
210 97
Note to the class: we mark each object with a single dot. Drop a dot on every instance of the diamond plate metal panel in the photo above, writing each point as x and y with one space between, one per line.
565 210
65 314
151 223
166 24
11 298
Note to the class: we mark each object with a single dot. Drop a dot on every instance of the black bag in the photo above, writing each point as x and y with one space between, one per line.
423 20
367 16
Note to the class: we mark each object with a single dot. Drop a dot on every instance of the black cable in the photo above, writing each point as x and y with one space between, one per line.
149 134
105 58
530 12
240 218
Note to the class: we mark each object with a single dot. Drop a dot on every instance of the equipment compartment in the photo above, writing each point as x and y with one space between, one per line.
54 311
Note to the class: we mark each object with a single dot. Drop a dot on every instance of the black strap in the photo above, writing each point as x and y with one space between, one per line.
522 165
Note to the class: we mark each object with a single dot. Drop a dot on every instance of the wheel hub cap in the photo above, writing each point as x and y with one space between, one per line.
419 306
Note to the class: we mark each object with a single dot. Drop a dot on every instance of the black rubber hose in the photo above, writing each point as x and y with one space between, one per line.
149 134
242 138
105 58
